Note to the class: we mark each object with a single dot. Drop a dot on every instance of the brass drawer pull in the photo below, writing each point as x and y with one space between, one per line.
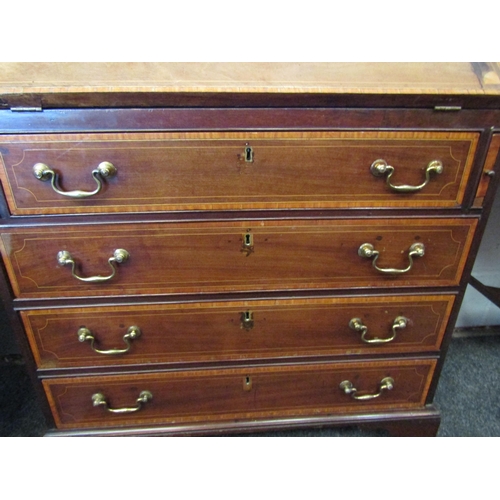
85 335
386 384
368 251
356 324
380 168
45 173
119 256
99 399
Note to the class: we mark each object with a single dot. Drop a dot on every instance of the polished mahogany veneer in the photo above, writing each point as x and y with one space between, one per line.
208 249
214 257
248 393
220 171
176 333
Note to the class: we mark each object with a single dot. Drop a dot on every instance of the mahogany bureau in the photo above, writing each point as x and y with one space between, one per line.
219 248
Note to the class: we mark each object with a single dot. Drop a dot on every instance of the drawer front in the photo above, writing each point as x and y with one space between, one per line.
237 256
217 395
236 330
235 171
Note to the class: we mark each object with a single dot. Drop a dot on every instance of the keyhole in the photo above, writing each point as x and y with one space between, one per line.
247 320
247 245
247 383
248 154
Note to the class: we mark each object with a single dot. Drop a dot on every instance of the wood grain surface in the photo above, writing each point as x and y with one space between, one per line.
488 170
209 171
212 257
243 77
179 333
240 393
244 271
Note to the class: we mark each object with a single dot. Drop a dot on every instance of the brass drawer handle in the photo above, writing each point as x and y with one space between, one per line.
368 251
356 324
44 173
99 399
380 168
85 335
119 256
386 384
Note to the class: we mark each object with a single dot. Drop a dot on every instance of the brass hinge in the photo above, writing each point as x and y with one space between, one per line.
447 108
26 108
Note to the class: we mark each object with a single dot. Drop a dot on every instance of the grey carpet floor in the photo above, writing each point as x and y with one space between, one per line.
468 396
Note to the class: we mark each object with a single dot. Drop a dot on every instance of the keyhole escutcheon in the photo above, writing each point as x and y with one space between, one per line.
248 154
247 320
247 383
247 246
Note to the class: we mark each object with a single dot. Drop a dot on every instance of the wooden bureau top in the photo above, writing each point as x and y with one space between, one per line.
250 77
105 85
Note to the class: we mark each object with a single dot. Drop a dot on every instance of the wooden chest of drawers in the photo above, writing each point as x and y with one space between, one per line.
183 260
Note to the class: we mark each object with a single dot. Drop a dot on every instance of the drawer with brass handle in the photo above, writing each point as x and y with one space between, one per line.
215 395
137 172
222 331
235 256
199 249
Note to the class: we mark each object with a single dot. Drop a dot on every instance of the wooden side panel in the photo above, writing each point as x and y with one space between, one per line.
237 256
488 170
218 331
213 171
243 393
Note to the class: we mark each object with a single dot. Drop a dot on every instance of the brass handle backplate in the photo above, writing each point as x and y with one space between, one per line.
85 335
386 384
398 324
99 399
119 256
367 251
44 173
380 168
